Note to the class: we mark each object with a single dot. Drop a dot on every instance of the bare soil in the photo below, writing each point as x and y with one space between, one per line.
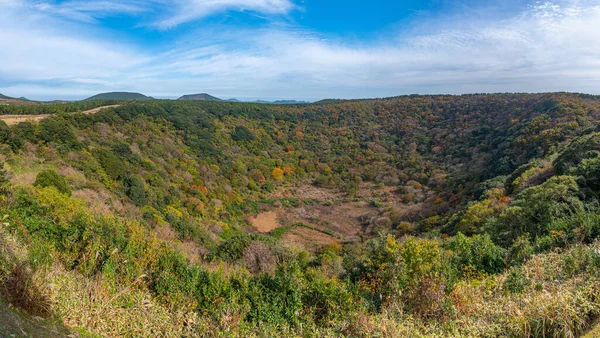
309 238
265 222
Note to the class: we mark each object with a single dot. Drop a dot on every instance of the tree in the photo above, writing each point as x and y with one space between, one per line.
278 174
242 133
135 190
50 178
534 209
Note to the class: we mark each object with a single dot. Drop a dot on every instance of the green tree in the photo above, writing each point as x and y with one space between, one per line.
535 208
135 190
50 178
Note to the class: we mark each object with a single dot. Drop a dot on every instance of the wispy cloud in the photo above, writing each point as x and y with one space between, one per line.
546 47
89 11
165 13
189 10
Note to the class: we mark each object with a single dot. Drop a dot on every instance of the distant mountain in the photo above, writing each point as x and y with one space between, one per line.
233 100
329 101
7 100
280 102
124 96
289 102
199 97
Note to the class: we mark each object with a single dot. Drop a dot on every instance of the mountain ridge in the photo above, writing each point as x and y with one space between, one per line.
199 97
122 96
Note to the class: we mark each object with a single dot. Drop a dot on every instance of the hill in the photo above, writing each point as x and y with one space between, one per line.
403 216
119 96
329 101
199 97
7 100
289 102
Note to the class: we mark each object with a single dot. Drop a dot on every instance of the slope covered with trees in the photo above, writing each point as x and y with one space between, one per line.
121 96
482 217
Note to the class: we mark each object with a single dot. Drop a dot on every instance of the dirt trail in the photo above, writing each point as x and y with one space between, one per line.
14 119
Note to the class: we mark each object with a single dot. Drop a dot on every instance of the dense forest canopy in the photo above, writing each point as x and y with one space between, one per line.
464 206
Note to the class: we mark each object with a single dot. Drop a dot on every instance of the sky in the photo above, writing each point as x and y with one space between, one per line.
297 49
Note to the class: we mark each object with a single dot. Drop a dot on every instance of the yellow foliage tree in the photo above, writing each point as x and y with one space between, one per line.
278 174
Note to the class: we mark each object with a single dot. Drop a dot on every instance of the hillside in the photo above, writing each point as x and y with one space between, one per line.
6 100
199 97
119 96
472 215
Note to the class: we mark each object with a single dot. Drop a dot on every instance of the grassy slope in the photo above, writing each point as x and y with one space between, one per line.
14 323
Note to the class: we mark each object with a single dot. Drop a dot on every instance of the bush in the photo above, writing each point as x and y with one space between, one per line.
135 190
515 282
50 178
478 252
233 249
534 209
113 165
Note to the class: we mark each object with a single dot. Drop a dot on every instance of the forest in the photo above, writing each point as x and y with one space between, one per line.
419 216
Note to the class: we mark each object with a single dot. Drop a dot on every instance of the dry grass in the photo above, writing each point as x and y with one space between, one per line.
17 283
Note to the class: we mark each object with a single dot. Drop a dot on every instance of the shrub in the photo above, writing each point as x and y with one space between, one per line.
515 282
113 166
535 208
478 252
50 178
135 190
233 249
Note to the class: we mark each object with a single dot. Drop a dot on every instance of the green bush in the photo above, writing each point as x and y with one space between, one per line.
515 282
478 252
233 249
114 167
50 178
135 190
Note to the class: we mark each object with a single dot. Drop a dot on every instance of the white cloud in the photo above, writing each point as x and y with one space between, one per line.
548 47
34 49
166 13
89 11
189 10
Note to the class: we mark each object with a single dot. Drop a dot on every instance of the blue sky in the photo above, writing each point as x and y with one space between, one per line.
297 49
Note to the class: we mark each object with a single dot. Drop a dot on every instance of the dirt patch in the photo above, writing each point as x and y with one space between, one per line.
345 221
192 251
14 119
309 238
24 178
95 110
310 192
265 222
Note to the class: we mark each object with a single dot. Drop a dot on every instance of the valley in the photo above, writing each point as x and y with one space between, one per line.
447 215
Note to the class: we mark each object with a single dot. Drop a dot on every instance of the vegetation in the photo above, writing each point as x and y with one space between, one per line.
135 221
50 178
120 96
